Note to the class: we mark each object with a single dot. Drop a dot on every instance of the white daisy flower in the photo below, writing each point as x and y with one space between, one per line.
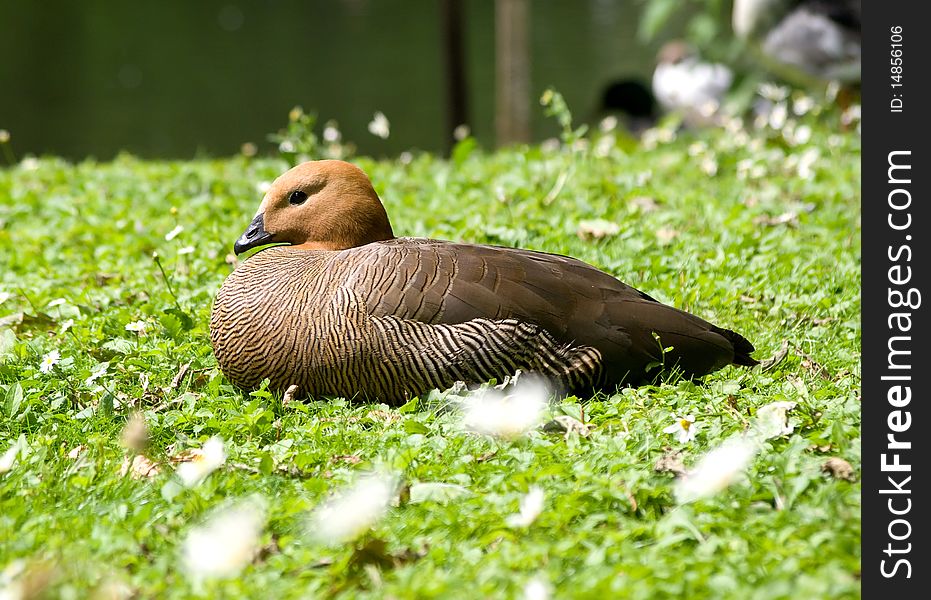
379 126
684 428
717 470
226 543
49 361
354 510
531 506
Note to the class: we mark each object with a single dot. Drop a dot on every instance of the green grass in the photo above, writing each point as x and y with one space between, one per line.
77 244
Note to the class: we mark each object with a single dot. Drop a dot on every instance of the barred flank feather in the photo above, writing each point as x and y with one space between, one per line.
393 319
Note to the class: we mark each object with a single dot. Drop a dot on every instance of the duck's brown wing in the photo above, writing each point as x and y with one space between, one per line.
444 282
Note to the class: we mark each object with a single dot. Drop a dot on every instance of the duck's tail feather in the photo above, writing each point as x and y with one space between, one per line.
742 347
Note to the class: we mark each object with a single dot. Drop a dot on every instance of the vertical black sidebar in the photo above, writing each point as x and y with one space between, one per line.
896 263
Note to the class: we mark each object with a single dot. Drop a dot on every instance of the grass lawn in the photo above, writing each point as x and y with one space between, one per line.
754 229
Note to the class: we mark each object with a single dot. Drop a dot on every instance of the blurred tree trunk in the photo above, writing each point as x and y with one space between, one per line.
457 103
512 71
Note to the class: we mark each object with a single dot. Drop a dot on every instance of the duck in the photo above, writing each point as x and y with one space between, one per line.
683 83
335 304
806 42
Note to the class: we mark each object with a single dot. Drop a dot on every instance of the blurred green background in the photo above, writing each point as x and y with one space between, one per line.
177 78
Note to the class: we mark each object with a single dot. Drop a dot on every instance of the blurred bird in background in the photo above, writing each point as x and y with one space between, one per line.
685 84
804 42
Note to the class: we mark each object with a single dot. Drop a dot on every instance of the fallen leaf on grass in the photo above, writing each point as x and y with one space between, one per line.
776 358
597 229
25 322
289 395
787 218
567 425
436 492
375 552
670 462
180 375
646 204
838 468
139 467
772 420
665 235
384 416
77 451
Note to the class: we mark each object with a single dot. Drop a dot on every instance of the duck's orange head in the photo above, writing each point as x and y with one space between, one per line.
319 205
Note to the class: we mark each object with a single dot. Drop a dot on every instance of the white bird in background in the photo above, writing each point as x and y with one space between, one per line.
683 83
804 41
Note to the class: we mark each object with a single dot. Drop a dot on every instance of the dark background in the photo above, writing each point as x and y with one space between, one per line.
180 78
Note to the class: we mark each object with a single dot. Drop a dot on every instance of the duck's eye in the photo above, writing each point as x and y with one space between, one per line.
297 197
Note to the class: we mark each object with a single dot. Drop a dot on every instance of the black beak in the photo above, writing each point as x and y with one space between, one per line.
254 236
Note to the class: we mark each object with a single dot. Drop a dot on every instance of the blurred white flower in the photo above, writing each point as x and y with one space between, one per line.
65 326
709 166
537 589
684 428
135 434
354 510
505 415
49 361
718 469
331 133
4 296
9 458
607 124
550 145
773 92
379 126
778 115
461 132
851 115
604 146
806 162
772 421
801 135
531 505
286 146
186 250
226 543
802 105
199 463
29 163
136 327
174 233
